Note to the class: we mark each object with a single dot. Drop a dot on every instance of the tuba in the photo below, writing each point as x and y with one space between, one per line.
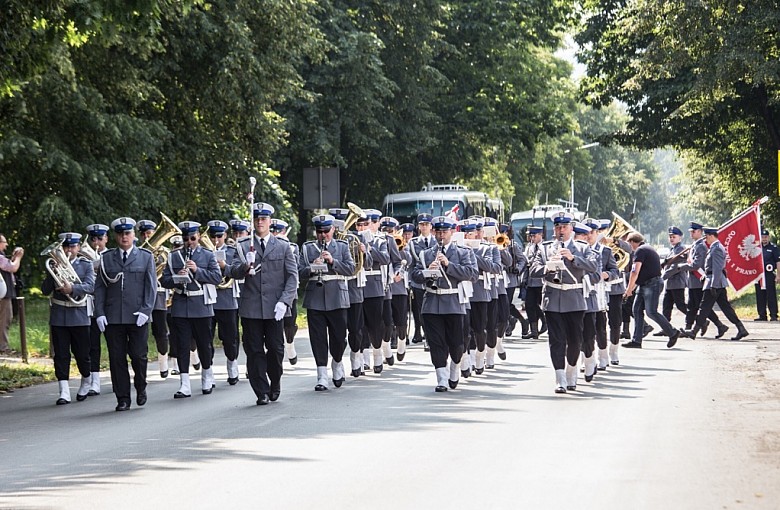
88 253
619 228
164 231
355 213
59 267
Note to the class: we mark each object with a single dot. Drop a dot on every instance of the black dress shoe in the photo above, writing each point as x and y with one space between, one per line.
760 319
320 387
175 372
400 355
232 381
357 372
453 384
62 402
589 378
140 399
465 374
740 335
378 369
263 400
688 333
441 389
196 366
490 367
560 389
93 393
179 394
704 328
673 339
571 388
646 330
501 355
773 319
123 406
164 374
275 395
543 329
81 398
390 361
722 330
294 360
529 336
417 338
659 333
632 345
207 391
479 371
625 334
338 382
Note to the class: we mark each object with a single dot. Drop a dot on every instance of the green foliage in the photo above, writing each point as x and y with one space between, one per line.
19 376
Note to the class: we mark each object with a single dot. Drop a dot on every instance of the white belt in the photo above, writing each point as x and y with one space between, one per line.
373 272
189 293
615 281
442 291
68 304
563 286
330 277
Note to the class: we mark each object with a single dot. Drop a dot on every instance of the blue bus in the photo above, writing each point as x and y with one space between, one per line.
442 200
540 216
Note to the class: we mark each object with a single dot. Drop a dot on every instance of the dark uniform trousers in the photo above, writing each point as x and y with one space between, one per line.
565 330
767 298
160 330
225 323
490 326
601 329
124 340
445 337
533 305
400 314
188 329
259 336
695 297
502 313
373 309
712 296
67 339
328 332
290 323
356 326
94 346
615 318
588 334
672 298
417 300
478 318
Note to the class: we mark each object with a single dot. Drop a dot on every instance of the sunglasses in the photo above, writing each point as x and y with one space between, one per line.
216 235
192 238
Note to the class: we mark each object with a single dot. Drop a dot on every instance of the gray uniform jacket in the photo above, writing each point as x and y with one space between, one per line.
715 267
355 291
121 289
530 253
617 284
399 288
695 264
275 279
416 246
333 293
674 276
563 300
489 264
63 312
226 298
515 264
380 256
191 303
462 267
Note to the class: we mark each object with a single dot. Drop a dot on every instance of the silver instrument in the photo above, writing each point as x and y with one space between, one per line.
61 270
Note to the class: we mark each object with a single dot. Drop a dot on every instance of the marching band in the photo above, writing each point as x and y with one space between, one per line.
376 289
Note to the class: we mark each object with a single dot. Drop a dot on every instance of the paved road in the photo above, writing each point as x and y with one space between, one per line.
694 427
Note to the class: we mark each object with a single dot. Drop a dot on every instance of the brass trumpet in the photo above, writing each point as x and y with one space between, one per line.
501 240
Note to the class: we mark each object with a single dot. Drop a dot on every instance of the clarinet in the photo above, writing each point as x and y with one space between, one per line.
319 281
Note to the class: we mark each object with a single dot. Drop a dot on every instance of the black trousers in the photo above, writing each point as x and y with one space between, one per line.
479 323
328 332
512 309
417 300
445 337
400 314
264 348
601 329
628 311
224 322
767 298
173 352
373 322
565 330
468 332
387 319
615 315
94 346
125 340
588 333
355 326
694 304
197 330
291 321
67 339
502 314
712 296
492 314
160 330
672 298
533 304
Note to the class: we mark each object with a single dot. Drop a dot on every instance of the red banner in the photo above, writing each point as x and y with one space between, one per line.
741 237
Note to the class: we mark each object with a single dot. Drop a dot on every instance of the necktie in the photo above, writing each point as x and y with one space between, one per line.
426 243
124 257
262 245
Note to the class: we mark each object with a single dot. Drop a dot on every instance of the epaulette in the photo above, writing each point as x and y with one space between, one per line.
147 250
547 243
580 241
343 241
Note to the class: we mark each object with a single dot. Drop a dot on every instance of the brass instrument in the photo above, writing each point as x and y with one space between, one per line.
501 240
399 241
205 242
88 253
60 268
355 213
619 228
164 231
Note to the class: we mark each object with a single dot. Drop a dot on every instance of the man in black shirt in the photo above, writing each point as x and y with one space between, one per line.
646 274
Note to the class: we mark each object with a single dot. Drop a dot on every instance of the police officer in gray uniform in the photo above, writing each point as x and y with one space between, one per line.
399 292
616 285
125 290
417 245
715 284
267 265
279 229
694 266
193 274
444 306
97 237
69 319
225 319
563 263
325 264
676 280
533 286
158 321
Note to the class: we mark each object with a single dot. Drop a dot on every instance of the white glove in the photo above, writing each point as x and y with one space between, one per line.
141 320
250 258
101 322
279 310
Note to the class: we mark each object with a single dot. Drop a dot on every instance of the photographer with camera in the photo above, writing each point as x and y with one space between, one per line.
8 266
